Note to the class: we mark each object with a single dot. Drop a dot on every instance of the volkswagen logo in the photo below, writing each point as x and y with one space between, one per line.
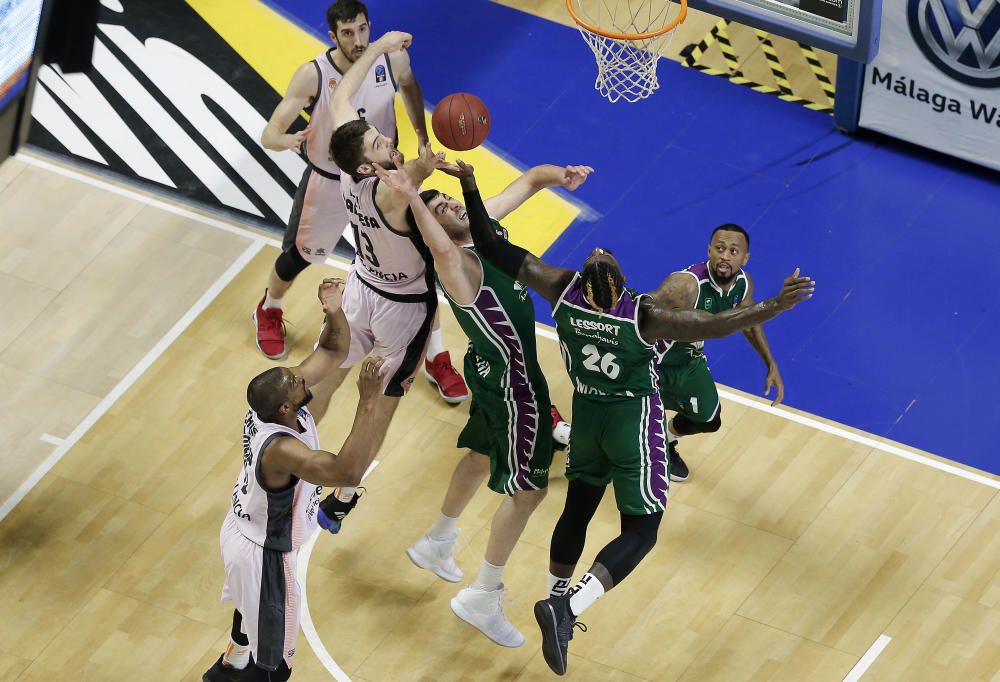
960 37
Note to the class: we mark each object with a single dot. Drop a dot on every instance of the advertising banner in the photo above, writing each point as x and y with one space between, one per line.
171 105
936 80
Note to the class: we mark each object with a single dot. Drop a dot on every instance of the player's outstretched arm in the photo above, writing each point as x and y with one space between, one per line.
509 258
758 340
340 104
335 339
533 181
413 96
300 94
458 270
287 457
659 322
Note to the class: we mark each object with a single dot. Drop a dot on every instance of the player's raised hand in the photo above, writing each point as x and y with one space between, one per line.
460 169
294 140
574 176
794 290
427 159
331 294
370 377
392 41
398 180
431 161
773 379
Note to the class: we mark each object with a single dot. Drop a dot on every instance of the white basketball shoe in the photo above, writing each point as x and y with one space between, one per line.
436 556
483 610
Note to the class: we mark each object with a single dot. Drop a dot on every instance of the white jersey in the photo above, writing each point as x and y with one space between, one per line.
280 520
373 102
395 264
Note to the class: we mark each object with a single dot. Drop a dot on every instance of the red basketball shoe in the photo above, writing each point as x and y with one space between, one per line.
450 384
270 330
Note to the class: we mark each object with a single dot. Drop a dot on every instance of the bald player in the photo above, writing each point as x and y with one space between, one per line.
273 506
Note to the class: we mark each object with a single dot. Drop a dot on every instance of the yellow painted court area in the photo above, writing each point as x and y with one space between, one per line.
274 47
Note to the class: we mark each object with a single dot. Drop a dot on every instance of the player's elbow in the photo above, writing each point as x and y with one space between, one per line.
268 140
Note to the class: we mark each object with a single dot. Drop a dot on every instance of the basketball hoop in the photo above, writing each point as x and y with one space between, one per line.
627 38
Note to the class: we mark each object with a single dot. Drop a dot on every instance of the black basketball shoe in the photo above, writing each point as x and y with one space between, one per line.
332 511
677 468
220 672
556 621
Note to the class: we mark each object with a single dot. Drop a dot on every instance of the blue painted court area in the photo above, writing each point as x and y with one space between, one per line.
904 244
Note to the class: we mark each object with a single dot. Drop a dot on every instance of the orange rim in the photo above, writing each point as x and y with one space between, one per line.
629 36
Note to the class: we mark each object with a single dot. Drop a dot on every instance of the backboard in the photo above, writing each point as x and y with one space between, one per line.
849 28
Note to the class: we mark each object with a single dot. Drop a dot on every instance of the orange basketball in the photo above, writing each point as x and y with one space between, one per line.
461 121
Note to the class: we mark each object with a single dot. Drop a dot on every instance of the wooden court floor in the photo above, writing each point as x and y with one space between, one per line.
125 352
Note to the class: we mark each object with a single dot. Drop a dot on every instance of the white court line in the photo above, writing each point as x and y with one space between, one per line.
51 440
130 378
864 440
861 667
540 330
308 629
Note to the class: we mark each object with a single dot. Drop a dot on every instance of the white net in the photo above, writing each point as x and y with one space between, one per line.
626 68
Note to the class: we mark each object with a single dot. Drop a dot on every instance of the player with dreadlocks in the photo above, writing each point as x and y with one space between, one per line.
607 332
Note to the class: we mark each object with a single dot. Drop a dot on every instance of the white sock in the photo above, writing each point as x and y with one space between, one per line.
237 655
671 436
489 577
558 586
444 529
436 345
585 593
271 302
344 494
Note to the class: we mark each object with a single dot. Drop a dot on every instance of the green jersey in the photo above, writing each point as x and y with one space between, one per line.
500 324
711 298
605 355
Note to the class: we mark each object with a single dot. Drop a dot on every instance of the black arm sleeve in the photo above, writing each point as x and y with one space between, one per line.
507 257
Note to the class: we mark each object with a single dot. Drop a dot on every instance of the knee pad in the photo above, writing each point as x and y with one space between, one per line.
290 263
644 527
715 424
685 426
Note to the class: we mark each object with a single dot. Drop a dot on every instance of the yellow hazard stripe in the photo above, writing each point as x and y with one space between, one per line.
732 61
766 89
774 63
817 68
693 53
275 47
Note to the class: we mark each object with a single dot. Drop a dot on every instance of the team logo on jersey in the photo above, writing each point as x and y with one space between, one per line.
380 74
708 302
332 82
960 37
520 290
482 367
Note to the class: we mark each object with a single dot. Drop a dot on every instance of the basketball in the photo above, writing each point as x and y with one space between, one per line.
461 121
